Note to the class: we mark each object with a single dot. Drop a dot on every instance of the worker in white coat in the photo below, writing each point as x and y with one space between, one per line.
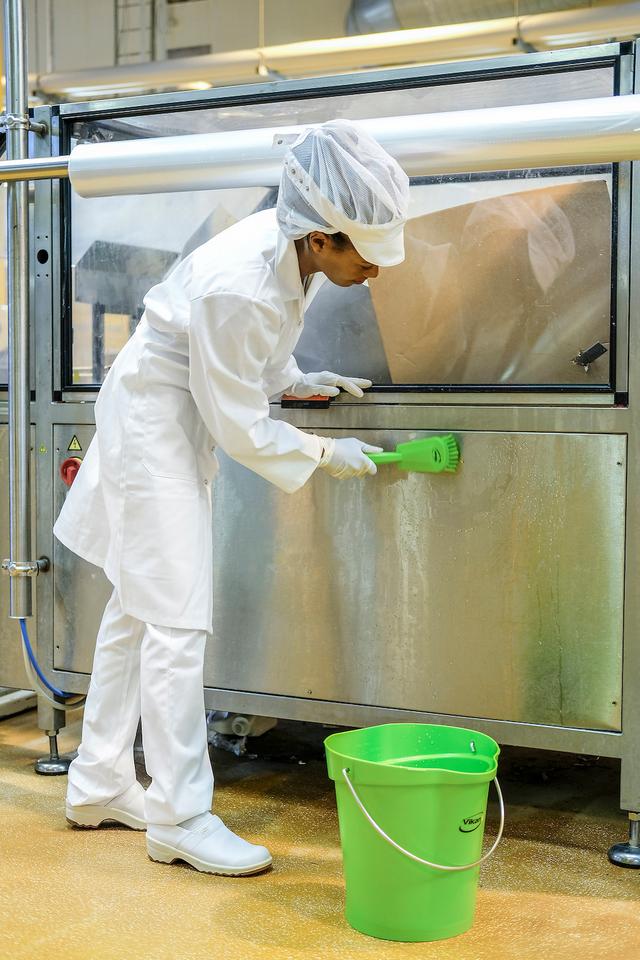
214 344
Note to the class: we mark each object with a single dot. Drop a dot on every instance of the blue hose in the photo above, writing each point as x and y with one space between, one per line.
34 662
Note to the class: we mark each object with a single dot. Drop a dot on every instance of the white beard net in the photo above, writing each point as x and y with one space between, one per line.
338 179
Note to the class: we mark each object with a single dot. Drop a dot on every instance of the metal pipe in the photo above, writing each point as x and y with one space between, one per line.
18 310
456 41
39 168
368 16
601 130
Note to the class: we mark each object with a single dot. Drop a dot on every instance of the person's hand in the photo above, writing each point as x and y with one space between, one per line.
346 458
327 384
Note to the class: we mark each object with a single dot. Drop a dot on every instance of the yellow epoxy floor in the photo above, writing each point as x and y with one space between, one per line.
94 895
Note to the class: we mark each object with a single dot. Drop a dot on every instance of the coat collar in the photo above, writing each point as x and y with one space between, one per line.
287 271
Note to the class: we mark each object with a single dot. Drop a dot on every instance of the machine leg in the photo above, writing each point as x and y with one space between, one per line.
54 765
628 854
52 721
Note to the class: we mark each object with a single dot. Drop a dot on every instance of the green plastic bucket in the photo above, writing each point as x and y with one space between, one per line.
412 800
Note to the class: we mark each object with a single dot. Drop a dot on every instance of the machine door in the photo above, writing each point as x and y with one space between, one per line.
493 592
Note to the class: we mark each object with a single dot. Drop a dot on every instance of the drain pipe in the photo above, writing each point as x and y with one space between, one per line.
17 125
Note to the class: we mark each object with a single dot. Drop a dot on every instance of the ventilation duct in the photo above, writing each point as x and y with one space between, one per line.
375 16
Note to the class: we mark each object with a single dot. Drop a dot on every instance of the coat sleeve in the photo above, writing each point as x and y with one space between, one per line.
278 381
231 339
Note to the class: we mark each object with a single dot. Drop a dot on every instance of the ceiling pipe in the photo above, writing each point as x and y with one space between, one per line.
343 54
368 16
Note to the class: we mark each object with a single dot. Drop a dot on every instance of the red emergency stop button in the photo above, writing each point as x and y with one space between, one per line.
69 469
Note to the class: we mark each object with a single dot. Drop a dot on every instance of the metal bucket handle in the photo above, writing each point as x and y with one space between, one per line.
407 853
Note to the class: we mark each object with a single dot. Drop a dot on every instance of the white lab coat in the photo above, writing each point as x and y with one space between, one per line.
215 342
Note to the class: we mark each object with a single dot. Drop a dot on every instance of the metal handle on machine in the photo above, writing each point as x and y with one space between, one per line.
413 856
25 568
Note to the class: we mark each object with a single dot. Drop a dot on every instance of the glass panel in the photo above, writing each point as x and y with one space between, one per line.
121 247
505 281
461 95
507 277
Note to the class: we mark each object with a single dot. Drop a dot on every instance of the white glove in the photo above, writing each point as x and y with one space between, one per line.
347 458
327 384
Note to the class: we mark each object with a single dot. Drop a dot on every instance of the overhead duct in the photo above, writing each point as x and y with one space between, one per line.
343 54
600 130
372 16
369 16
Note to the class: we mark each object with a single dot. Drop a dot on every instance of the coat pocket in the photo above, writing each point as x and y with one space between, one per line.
170 425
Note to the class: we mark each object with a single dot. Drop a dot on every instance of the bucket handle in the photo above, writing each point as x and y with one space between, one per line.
407 853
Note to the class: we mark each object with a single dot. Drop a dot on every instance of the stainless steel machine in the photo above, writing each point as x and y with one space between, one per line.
503 597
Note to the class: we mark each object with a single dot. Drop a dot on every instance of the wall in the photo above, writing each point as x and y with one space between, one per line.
73 34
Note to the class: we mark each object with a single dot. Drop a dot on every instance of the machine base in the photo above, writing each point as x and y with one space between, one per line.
50 767
628 854
624 855
54 765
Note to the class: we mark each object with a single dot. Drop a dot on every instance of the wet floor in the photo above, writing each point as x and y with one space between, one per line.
94 895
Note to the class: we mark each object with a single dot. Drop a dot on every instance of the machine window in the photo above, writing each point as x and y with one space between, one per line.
506 282
507 279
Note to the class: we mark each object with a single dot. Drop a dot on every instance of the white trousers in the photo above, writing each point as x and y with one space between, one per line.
155 672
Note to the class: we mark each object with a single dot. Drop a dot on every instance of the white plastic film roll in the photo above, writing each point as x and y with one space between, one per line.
574 132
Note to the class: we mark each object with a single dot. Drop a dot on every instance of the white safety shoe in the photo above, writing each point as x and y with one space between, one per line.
206 844
127 808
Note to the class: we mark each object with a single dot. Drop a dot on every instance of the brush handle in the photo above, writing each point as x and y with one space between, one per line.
386 457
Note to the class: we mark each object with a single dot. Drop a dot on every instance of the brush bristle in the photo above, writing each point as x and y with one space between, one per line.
453 453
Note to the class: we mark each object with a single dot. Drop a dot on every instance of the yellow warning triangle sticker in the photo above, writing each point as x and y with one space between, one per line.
75 444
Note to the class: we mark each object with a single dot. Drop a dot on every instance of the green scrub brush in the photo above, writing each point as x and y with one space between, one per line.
429 455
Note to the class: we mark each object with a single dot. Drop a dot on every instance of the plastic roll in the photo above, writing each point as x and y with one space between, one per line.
574 132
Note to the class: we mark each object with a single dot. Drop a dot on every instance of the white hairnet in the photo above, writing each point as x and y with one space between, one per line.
338 179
